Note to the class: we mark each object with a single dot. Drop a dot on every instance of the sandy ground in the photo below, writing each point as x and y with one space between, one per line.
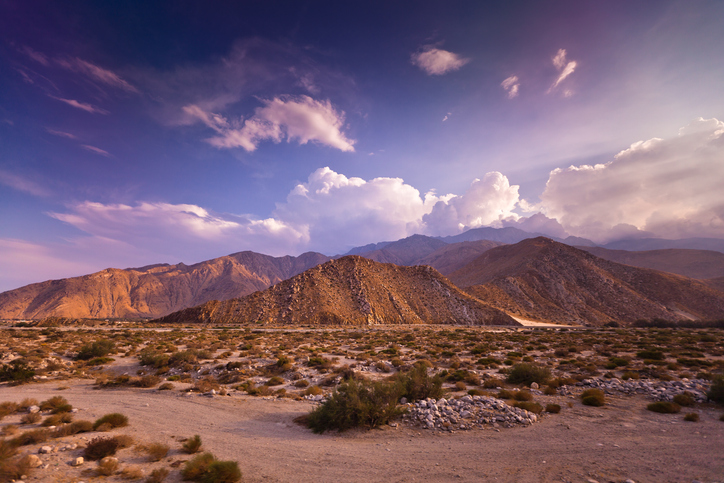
619 441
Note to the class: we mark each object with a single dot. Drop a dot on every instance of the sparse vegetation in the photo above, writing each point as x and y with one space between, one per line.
99 448
692 417
112 421
192 445
527 373
665 407
593 397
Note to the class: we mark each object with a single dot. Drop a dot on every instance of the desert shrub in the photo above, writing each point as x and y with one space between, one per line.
684 399
99 348
476 392
550 391
81 426
531 406
107 466
166 386
716 392
416 384
115 420
313 391
692 417
528 373
31 437
553 408
463 375
195 468
56 419
12 466
522 396
27 402
630 375
99 448
156 451
192 445
148 380
664 407
301 383
222 472
593 397
31 418
505 394
206 384
7 408
158 475
357 403
492 383
55 404
460 386
651 354
132 473
17 372
275 381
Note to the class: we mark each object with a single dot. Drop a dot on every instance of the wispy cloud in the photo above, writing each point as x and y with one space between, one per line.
62 134
96 73
35 55
23 184
436 61
511 86
447 116
95 150
565 67
295 118
82 105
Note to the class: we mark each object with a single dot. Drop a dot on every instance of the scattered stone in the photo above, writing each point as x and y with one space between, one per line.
534 385
33 409
656 390
45 450
78 461
467 412
34 461
109 460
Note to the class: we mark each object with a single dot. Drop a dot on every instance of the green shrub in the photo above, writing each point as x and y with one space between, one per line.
593 397
716 392
55 404
664 407
522 396
157 475
416 384
505 394
156 451
492 383
12 466
192 445
684 399
275 381
31 437
30 418
100 348
195 468
651 354
531 406
692 417
222 472
528 373
166 386
99 448
56 419
17 372
355 404
553 408
115 420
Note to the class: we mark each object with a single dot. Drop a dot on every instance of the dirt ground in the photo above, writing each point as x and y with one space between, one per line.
617 442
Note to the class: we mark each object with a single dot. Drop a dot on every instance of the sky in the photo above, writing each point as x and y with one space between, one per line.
134 133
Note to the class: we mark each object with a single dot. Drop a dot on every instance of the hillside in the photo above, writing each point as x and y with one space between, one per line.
406 251
455 256
356 291
152 291
699 264
545 280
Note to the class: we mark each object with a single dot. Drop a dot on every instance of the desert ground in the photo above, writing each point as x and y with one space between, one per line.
617 442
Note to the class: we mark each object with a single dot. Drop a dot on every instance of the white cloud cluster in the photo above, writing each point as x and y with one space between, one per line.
295 118
565 69
488 202
511 85
436 61
670 187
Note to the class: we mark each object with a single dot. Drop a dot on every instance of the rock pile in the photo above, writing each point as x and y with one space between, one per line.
656 390
468 412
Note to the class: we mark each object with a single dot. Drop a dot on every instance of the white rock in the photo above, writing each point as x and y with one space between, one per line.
45 449
78 461
34 461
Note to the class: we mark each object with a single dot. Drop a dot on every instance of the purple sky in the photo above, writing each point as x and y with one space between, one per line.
134 133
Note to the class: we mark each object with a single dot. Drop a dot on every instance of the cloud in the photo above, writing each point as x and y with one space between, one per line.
670 187
35 55
82 105
565 67
447 116
62 134
292 118
538 223
486 203
437 61
96 73
20 183
95 150
511 86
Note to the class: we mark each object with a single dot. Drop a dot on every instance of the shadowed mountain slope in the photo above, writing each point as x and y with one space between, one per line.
455 256
406 251
642 244
699 264
356 291
155 290
545 280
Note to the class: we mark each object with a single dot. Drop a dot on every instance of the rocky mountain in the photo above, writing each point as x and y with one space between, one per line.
356 291
541 279
154 290
699 264
640 244
407 251
455 256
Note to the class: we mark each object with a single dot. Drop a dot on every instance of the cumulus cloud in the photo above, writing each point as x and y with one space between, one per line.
488 202
21 183
436 61
300 119
670 187
96 73
565 68
538 223
81 105
511 86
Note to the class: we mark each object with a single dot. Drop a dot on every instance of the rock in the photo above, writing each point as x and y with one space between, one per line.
34 461
109 460
534 385
78 461
45 450
33 409
403 400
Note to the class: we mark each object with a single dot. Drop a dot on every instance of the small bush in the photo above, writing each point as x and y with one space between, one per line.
99 448
195 468
30 418
651 354
114 420
593 397
95 349
684 399
416 384
664 407
192 445
692 417
522 396
166 386
12 466
531 406
553 408
528 373
56 419
27 402
492 383
17 372
132 473
357 403
156 451
31 437
716 392
275 381
302 383
550 391
149 380
157 476
222 472
55 404
505 394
